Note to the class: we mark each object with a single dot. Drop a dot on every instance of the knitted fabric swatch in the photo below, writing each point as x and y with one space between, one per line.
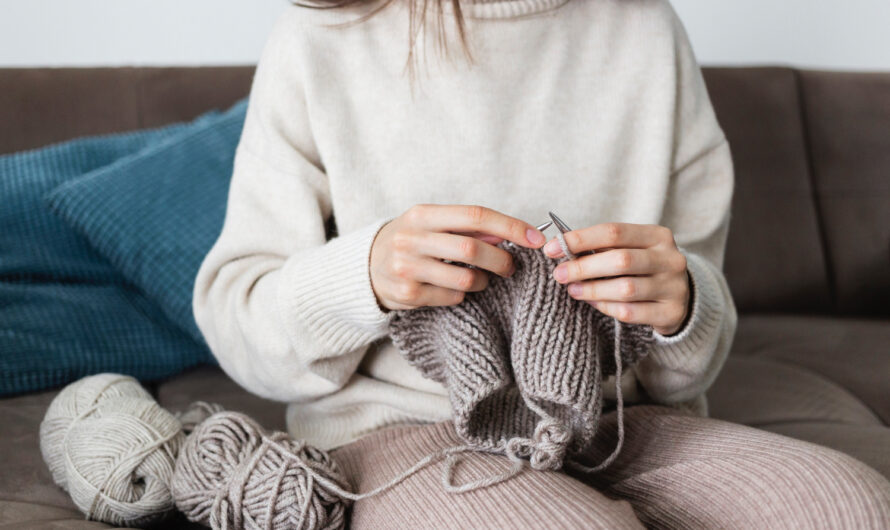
523 361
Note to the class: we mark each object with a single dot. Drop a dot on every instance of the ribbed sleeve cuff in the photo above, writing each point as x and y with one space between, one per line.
688 348
327 291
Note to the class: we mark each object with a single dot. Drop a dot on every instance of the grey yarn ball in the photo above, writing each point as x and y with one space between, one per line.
232 474
113 448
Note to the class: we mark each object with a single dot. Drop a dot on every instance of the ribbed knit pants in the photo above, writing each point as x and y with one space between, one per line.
676 470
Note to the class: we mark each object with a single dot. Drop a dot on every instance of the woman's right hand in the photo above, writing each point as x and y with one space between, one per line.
406 266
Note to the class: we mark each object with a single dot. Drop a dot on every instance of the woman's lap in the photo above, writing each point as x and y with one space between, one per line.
529 500
675 470
680 470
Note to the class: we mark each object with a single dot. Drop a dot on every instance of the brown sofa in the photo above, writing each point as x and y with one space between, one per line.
808 258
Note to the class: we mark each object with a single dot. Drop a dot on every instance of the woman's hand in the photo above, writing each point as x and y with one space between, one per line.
407 270
637 274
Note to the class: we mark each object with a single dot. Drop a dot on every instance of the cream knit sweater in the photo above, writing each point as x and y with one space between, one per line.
595 109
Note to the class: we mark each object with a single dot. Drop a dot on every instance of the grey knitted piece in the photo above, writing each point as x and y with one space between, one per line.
522 360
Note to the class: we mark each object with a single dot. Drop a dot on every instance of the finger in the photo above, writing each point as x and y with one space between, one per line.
615 262
474 218
554 250
455 277
616 235
491 240
434 295
621 289
465 250
658 314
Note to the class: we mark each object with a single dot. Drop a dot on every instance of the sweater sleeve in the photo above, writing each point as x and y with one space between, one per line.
682 366
287 312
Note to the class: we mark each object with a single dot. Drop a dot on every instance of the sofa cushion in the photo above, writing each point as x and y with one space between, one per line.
818 379
155 215
35 516
776 391
53 333
848 118
169 94
55 251
849 352
209 383
774 225
41 106
44 105
66 310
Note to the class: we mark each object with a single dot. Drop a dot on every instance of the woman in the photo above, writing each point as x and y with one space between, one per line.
593 108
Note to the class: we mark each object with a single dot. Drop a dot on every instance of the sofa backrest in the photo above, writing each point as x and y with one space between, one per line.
810 228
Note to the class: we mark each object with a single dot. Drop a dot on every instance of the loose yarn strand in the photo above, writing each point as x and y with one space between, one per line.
547 449
618 395
619 410
432 458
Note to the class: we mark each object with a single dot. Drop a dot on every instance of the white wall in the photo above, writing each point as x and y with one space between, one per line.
834 34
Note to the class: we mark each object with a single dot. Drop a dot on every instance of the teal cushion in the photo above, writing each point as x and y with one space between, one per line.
55 333
34 243
65 310
155 216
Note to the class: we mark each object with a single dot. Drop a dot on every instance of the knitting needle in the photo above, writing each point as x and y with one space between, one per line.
563 228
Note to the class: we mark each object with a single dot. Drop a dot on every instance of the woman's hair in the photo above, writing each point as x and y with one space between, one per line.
417 9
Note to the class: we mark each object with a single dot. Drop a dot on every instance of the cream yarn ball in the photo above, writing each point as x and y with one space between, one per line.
113 448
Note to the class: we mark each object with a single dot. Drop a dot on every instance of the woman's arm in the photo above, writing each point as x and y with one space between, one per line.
287 313
683 365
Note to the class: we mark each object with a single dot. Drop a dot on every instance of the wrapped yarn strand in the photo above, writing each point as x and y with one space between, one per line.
232 474
110 445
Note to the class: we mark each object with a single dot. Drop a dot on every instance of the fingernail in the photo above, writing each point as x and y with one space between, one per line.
552 247
534 237
574 289
560 274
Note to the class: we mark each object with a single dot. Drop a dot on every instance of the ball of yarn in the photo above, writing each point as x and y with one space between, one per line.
232 474
113 448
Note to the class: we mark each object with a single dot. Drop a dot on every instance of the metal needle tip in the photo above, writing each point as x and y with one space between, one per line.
544 226
559 223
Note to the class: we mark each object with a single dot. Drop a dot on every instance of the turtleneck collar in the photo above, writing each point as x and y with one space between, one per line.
502 8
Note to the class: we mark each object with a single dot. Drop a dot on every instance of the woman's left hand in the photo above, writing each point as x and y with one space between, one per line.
637 274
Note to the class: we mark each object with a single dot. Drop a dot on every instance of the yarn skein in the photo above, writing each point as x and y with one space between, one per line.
110 445
233 474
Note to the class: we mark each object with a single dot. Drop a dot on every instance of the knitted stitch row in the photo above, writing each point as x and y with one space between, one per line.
523 362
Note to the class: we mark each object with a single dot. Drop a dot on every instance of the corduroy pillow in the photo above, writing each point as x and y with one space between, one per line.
156 215
65 311
54 333
34 243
